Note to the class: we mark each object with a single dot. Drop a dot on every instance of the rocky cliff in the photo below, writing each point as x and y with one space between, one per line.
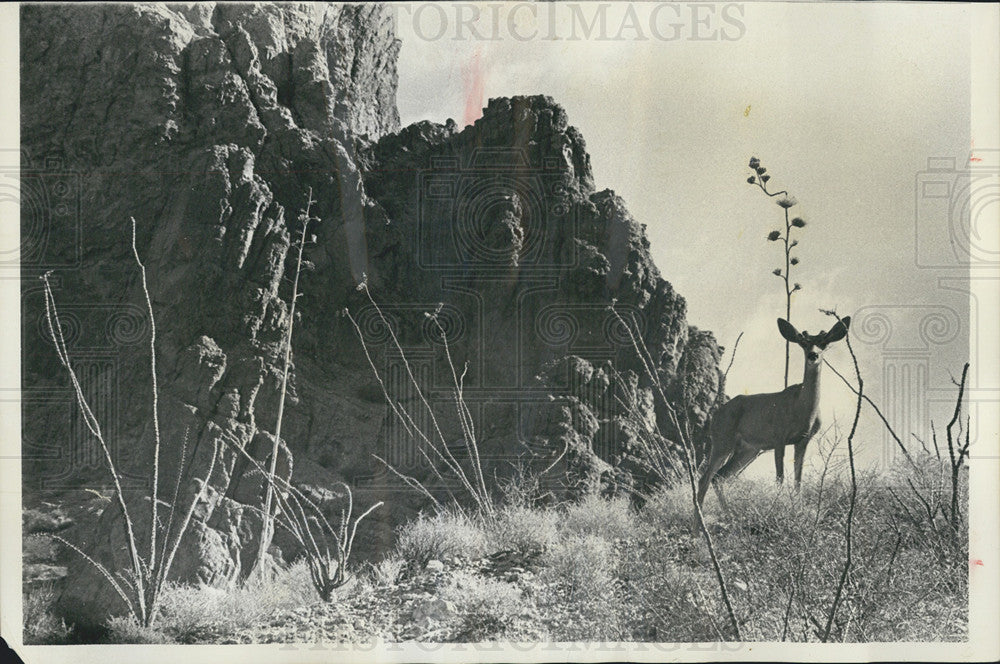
208 124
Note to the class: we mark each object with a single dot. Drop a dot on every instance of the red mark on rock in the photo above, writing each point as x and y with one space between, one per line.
474 79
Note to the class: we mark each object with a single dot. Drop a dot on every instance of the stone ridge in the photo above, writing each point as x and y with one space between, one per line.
209 124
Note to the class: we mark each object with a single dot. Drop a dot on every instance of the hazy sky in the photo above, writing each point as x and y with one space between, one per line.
844 104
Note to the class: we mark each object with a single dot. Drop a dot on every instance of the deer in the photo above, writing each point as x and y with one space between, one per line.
750 424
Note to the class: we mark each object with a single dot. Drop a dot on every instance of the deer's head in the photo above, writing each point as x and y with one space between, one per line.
813 345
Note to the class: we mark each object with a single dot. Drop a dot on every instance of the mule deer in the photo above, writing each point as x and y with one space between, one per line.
747 425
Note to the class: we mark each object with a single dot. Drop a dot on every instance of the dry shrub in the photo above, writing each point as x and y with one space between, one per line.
40 626
449 533
126 629
193 614
668 509
488 606
524 529
583 600
609 519
671 601
765 514
386 572
784 551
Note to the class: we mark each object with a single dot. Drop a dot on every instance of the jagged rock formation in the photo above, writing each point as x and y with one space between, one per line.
209 124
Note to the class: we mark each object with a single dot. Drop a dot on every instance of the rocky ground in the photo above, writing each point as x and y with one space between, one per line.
43 521
425 605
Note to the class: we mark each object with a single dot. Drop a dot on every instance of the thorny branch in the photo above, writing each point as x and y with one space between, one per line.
689 457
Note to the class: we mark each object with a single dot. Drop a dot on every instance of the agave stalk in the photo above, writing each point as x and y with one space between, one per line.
760 178
267 522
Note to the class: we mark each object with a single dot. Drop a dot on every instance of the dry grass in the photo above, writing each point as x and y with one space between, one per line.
40 626
190 614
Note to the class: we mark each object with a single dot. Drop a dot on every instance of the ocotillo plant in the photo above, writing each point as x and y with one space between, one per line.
141 586
786 202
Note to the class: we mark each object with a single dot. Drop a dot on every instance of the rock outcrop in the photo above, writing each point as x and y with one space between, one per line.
209 124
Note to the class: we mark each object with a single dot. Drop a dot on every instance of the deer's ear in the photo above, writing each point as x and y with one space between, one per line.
838 331
788 331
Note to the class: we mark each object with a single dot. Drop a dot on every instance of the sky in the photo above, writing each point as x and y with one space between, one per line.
843 103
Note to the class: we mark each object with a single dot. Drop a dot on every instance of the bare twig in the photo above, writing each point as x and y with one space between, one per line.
892 561
104 572
878 412
957 457
156 406
689 455
93 425
146 577
464 414
854 490
732 357
176 494
161 577
923 445
432 444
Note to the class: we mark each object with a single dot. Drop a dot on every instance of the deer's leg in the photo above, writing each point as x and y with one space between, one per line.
800 455
741 458
779 463
715 461
721 496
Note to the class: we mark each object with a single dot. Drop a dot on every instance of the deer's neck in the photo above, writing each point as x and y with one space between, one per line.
809 396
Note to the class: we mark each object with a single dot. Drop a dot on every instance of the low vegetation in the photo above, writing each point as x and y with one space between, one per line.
41 627
605 569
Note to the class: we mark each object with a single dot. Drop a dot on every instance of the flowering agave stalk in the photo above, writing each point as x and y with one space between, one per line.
785 202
